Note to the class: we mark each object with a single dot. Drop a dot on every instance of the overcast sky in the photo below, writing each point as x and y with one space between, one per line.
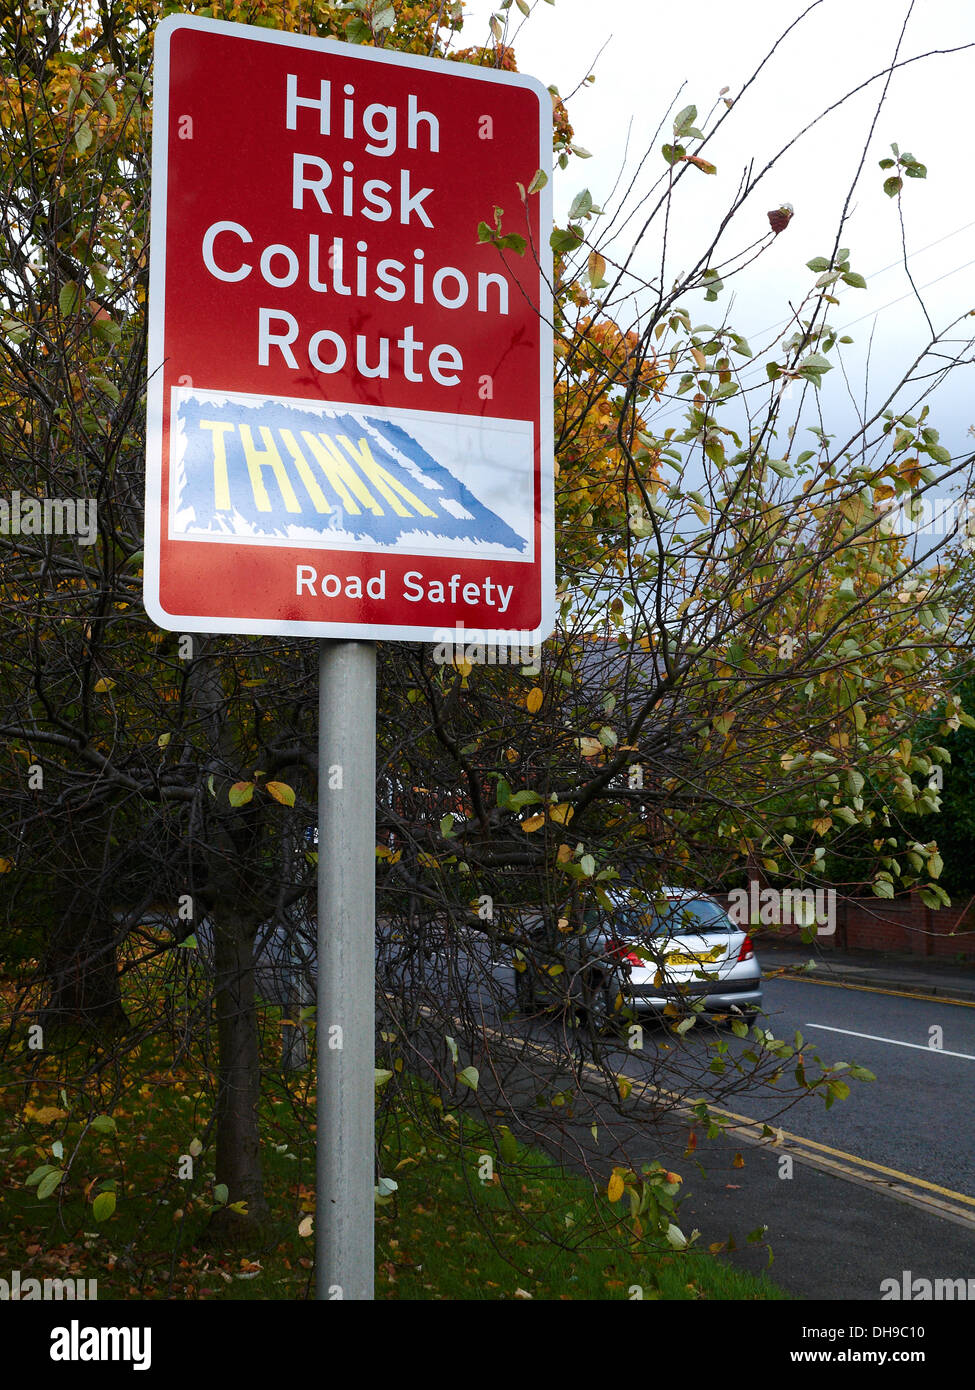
653 57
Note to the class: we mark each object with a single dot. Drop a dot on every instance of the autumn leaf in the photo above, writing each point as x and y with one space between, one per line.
102 686
616 1188
45 1115
281 793
533 700
240 793
562 813
532 823
597 270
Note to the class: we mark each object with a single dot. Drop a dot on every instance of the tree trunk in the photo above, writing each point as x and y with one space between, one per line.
81 968
238 1162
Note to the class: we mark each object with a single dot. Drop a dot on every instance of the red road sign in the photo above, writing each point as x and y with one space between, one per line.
349 424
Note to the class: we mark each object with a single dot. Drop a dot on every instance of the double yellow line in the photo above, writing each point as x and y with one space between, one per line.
930 1196
784 973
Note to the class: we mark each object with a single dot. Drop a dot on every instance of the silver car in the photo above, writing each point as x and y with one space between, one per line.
677 949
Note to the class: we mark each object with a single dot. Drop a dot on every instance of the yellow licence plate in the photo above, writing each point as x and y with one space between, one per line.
680 958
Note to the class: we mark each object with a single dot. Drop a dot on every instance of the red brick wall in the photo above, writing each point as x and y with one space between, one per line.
905 924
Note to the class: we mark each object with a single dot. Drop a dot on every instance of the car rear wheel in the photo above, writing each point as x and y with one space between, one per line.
595 1010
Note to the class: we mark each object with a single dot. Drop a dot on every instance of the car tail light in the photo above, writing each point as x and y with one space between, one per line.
747 949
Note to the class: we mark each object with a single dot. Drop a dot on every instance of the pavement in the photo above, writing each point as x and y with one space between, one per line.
888 970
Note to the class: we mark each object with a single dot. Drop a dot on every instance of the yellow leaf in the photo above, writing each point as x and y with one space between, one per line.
306 1225
615 1189
281 792
6 865
533 700
699 358
46 1115
597 268
564 855
102 685
562 813
532 823
738 1161
589 747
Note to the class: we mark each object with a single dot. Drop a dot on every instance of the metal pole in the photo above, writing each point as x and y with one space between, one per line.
345 1014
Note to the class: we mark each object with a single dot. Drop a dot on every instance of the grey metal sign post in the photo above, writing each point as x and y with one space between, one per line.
345 1014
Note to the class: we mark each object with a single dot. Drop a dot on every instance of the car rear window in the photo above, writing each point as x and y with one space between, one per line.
683 915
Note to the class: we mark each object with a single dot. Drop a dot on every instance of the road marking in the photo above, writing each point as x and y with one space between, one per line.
783 973
889 1181
894 1042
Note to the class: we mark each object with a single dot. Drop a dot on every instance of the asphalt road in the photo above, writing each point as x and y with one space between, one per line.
917 1117
837 1222
857 1203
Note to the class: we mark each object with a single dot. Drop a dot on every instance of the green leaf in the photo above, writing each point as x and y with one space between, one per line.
220 1194
382 1076
484 232
893 186
470 1076
818 263
103 1206
447 825
357 30
564 240
851 277
49 1183
39 1173
588 865
684 120
83 137
70 298
104 1124
240 793
108 330
581 204
508 1144
883 888
539 181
